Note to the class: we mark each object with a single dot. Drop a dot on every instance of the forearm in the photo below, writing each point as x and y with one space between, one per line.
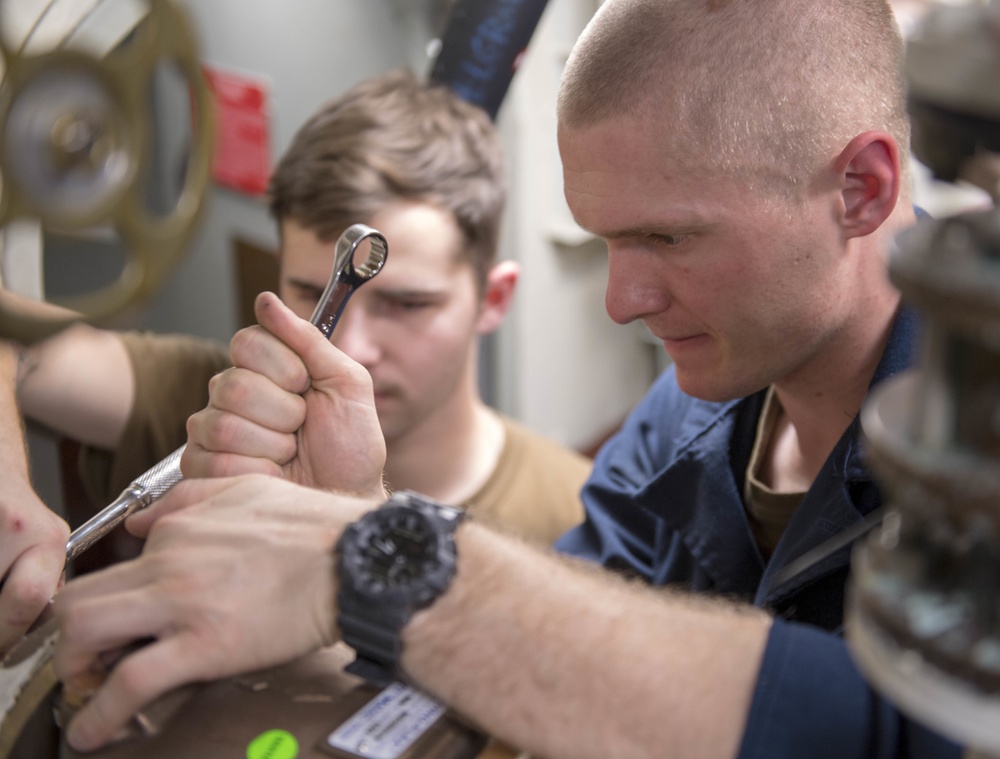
567 661
32 538
12 446
79 383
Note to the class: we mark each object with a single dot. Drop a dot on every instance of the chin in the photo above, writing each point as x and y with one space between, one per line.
393 429
712 389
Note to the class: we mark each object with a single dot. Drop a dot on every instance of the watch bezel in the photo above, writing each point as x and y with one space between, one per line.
438 564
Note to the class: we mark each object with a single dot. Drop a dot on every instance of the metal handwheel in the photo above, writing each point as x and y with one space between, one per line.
27 680
75 149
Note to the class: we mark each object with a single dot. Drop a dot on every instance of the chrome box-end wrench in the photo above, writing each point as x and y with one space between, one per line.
156 481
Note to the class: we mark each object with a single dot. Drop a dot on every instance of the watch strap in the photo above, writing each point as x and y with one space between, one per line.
377 646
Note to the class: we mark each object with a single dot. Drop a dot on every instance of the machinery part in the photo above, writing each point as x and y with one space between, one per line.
75 149
308 699
952 66
345 278
28 678
923 617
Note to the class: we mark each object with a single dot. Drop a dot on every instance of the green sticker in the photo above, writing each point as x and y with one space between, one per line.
274 744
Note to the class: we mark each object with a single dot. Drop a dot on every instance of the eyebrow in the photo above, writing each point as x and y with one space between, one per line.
621 234
663 228
401 292
684 220
306 285
404 293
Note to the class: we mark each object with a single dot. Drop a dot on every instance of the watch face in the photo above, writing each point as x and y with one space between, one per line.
400 547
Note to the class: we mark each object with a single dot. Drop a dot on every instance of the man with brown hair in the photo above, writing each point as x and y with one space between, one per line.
426 169
744 162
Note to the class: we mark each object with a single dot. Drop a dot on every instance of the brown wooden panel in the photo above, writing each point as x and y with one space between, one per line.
257 270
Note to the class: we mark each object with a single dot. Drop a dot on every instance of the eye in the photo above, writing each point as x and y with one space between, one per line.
405 304
307 295
669 241
413 304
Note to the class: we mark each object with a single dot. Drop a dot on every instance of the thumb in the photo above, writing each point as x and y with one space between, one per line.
326 364
300 335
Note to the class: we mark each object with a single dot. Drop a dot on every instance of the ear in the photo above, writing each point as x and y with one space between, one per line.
498 295
869 175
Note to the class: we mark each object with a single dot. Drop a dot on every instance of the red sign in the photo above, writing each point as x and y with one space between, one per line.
242 157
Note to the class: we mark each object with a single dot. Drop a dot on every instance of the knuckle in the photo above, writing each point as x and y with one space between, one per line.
226 466
232 466
192 426
296 378
242 345
72 618
30 596
293 414
215 432
131 679
236 391
224 433
289 450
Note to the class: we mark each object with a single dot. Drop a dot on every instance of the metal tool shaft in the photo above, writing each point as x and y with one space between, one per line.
142 491
153 483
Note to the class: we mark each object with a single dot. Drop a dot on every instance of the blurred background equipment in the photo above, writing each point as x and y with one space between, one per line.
80 155
924 617
481 48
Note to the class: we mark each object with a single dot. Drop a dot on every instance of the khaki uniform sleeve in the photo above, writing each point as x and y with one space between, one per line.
171 380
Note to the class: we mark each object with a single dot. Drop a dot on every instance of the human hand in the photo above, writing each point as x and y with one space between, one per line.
32 556
293 406
236 575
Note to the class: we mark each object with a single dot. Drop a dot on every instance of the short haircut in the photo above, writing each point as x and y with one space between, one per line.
393 138
767 89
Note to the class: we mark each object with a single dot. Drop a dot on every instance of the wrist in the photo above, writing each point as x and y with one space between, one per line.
390 563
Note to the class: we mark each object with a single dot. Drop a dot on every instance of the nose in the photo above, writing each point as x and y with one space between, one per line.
635 288
356 337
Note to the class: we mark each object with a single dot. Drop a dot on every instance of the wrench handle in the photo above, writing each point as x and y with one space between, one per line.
143 490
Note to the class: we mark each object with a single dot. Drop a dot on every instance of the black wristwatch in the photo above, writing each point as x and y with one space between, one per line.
393 561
